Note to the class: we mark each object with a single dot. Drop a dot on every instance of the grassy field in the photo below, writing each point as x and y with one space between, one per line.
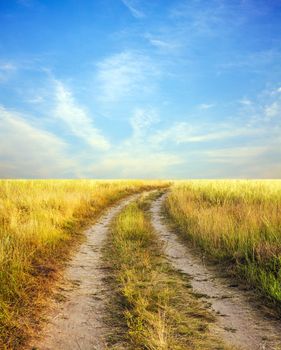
39 223
156 306
238 222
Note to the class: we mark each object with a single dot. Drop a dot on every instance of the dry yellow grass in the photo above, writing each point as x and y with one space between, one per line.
234 221
158 310
39 221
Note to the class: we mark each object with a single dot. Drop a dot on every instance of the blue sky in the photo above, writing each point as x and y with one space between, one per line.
140 89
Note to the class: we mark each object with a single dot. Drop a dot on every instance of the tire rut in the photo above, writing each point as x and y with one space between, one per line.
239 322
76 319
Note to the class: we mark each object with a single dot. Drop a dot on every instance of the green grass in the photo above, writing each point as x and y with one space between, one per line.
238 222
156 309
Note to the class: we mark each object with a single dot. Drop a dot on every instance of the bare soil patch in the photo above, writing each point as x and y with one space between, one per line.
76 319
239 322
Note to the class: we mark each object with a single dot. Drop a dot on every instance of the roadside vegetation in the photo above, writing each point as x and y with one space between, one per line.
237 222
153 307
40 222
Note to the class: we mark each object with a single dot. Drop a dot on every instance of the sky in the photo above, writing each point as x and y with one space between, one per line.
140 89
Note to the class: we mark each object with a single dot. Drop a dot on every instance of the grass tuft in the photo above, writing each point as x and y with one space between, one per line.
39 223
155 304
235 221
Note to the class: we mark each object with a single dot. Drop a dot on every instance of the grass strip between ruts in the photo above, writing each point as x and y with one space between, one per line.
153 307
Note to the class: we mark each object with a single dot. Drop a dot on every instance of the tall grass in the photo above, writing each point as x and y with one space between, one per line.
39 221
159 311
234 221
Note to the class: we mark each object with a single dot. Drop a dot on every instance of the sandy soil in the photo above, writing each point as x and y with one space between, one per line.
76 319
239 322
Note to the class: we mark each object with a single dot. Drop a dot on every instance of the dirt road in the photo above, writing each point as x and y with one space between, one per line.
239 322
76 321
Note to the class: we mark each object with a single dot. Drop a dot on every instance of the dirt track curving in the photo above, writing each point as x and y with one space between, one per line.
239 322
76 320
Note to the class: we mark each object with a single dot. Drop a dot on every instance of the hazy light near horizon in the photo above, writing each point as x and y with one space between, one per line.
139 88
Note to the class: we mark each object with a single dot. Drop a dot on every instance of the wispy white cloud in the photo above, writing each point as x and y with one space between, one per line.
123 74
7 69
137 163
133 6
164 42
138 156
27 151
151 150
208 20
77 119
7 66
253 61
245 102
36 99
182 132
142 120
206 106
235 154
256 159
248 160
263 109
273 110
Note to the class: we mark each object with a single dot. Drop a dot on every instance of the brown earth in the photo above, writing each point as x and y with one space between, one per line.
76 317
239 321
